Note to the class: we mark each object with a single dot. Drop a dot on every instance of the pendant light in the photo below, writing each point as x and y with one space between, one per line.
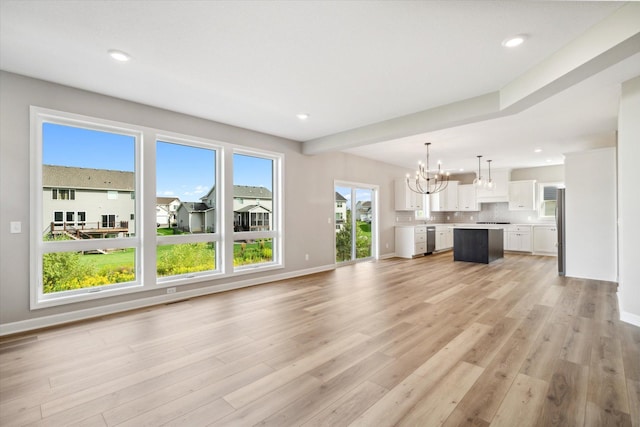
427 181
478 182
489 182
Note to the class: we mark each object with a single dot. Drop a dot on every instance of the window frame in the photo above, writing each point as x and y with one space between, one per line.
215 237
276 234
38 299
145 240
541 201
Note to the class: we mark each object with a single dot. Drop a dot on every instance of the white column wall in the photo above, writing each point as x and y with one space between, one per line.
629 201
590 227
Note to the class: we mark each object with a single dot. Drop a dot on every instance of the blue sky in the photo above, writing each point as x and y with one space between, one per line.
362 195
182 171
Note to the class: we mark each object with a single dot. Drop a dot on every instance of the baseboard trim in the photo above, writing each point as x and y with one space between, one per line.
74 316
632 319
387 256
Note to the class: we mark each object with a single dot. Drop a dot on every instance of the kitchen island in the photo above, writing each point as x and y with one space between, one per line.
478 244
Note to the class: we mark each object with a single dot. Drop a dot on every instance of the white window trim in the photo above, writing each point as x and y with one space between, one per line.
375 189
540 198
145 204
38 299
216 237
277 224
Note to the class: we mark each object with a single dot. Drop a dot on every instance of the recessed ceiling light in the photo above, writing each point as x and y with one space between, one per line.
514 41
461 169
548 160
302 116
538 150
119 55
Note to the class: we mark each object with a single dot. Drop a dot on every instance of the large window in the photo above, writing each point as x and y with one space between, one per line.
104 226
187 235
86 242
256 206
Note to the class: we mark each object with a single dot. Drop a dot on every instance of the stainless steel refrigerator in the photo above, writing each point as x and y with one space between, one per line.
560 221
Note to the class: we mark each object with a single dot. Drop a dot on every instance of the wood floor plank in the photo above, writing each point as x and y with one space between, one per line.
415 342
437 405
633 390
546 349
310 404
167 403
607 387
567 395
271 382
345 410
522 404
486 395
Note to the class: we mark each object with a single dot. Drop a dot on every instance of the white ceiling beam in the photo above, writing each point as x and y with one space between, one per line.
602 46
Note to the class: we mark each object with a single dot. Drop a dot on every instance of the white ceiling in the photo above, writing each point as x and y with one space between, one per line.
349 64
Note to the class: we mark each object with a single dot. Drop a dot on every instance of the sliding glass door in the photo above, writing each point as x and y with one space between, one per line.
355 222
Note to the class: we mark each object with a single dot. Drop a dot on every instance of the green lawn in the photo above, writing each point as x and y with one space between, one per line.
168 231
112 260
126 258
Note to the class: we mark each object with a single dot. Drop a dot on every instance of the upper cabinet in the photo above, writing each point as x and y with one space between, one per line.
406 200
467 199
446 200
500 191
522 195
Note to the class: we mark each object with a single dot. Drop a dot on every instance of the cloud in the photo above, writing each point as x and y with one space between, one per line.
168 193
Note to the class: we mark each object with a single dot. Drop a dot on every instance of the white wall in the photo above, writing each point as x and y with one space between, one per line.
553 173
591 231
629 201
308 186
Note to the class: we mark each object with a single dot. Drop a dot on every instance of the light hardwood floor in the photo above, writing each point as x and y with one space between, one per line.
421 342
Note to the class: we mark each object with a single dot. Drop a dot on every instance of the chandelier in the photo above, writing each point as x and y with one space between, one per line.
479 182
427 181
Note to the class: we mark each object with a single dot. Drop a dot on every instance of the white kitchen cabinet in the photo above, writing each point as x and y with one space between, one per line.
446 200
467 200
411 240
518 238
500 191
522 195
545 239
444 238
406 200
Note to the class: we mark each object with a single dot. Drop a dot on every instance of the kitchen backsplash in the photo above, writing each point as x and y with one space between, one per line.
491 212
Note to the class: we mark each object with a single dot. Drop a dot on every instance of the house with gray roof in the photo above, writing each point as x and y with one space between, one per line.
252 210
88 202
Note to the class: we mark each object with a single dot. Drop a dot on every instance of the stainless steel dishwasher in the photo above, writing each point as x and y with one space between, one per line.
431 239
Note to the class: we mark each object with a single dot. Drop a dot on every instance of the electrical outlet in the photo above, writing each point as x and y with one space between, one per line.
171 290
386 246
306 257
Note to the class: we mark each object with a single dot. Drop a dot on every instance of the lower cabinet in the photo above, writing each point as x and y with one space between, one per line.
518 238
444 238
411 241
545 240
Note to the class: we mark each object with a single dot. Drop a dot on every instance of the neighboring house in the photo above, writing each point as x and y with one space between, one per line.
363 211
87 202
252 208
166 208
341 211
195 217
